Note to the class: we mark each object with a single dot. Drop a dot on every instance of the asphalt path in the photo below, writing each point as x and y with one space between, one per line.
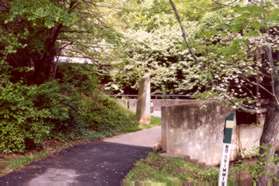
103 163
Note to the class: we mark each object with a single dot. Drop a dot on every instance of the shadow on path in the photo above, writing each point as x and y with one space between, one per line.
92 164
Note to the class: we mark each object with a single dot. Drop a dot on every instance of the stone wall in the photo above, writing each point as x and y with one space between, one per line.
195 129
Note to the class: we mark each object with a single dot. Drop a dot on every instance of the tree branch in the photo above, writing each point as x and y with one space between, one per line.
182 30
274 73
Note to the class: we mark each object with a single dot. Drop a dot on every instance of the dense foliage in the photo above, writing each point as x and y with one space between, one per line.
39 99
21 121
230 53
223 42
34 33
64 108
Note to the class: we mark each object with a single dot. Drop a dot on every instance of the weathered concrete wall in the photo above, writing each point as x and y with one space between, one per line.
159 103
249 139
195 130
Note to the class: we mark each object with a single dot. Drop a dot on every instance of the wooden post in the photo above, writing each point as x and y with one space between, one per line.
144 101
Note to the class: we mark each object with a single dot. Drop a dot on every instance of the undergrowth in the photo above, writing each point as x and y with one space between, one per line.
63 109
168 171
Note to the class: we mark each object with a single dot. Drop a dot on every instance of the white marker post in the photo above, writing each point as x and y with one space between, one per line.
230 122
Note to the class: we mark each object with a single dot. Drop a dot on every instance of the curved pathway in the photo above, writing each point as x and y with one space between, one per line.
103 163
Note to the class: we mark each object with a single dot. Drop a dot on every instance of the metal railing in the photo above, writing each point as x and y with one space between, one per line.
157 96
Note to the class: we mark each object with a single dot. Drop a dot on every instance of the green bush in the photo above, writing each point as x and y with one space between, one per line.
92 109
105 114
80 77
78 82
26 112
65 108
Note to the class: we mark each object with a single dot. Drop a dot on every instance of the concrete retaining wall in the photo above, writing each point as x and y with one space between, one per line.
195 129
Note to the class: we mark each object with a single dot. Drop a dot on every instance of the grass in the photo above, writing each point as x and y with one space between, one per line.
155 121
26 159
95 135
167 171
17 161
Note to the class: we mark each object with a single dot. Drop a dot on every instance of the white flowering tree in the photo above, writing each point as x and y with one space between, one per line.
236 45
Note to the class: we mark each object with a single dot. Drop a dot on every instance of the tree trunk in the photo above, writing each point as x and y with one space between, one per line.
269 139
43 70
45 66
42 62
269 142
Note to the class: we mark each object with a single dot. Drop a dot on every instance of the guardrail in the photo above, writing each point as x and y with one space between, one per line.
157 96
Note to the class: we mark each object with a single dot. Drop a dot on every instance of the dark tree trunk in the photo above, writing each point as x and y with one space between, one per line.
269 139
45 66
42 70
269 144
40 49
42 62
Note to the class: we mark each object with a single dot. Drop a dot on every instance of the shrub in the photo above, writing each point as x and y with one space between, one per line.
92 109
105 114
62 109
25 113
81 77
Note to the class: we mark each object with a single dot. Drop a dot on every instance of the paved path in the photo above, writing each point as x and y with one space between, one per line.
103 163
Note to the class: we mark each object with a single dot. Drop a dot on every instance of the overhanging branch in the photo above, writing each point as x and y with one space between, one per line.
182 30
